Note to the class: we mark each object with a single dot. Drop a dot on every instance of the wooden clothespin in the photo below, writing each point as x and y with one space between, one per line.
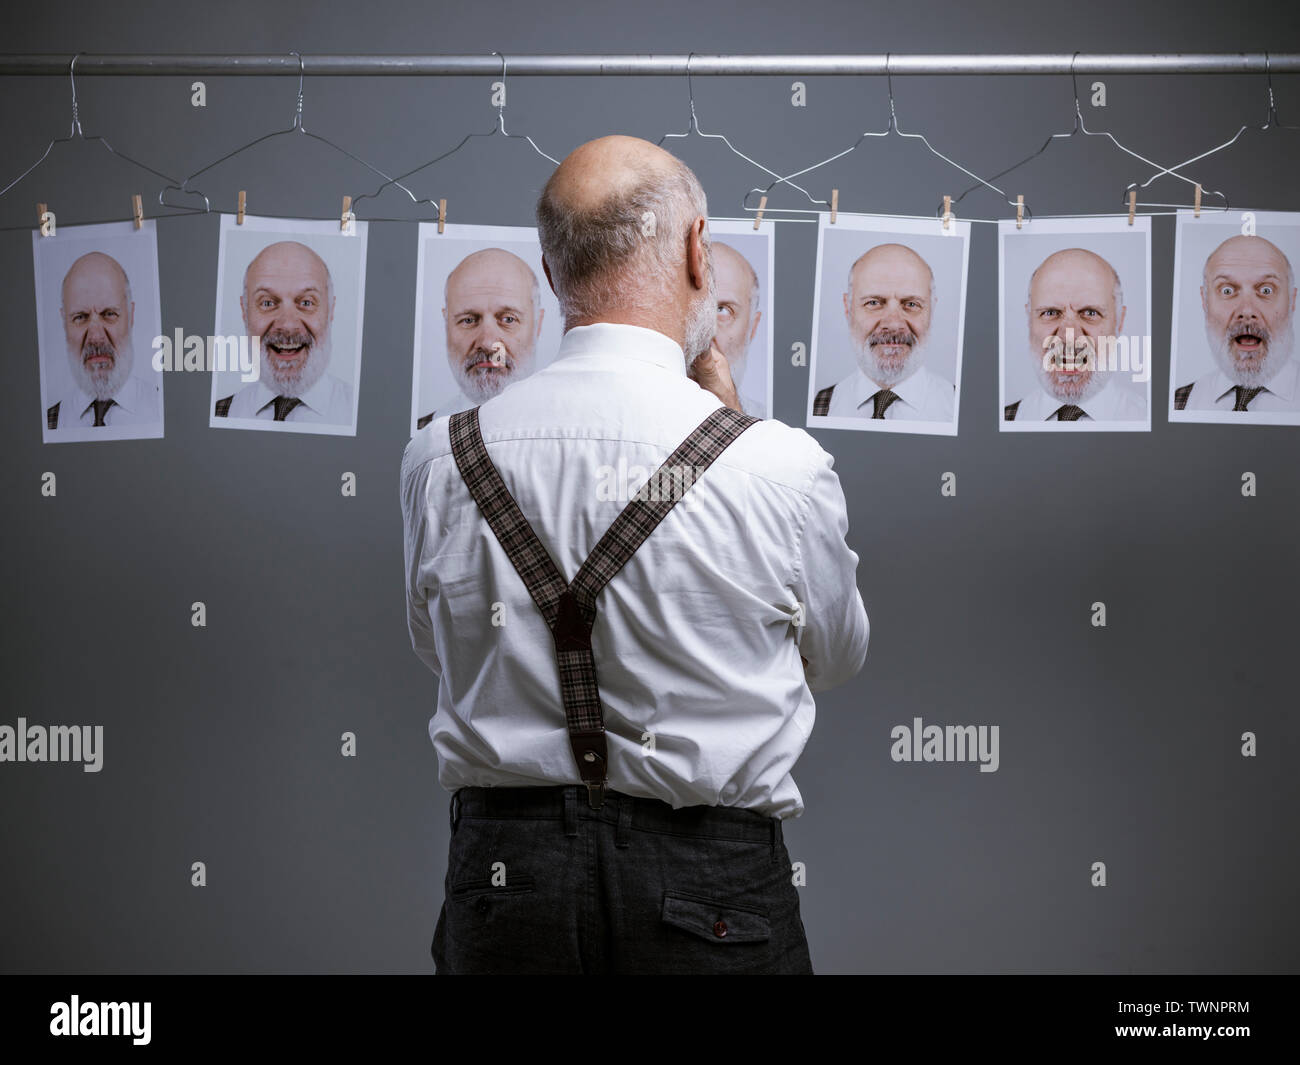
442 214
347 215
947 211
243 199
1020 211
835 204
762 206
40 217
1132 204
138 209
1197 207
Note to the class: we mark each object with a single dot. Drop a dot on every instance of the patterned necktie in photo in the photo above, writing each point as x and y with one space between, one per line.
883 399
1245 395
283 405
101 408
1069 413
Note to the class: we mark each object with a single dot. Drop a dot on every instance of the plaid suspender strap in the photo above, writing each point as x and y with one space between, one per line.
569 609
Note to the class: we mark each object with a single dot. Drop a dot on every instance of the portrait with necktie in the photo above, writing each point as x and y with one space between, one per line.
1248 298
1073 367
111 394
902 301
299 297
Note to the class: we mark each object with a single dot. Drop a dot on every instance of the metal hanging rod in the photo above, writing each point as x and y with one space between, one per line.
666 65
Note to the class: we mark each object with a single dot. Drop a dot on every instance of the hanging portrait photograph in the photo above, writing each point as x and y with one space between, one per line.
485 316
1074 325
743 267
1234 359
289 316
97 314
889 309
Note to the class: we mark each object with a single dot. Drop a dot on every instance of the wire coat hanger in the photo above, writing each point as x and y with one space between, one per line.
1271 122
694 127
1080 127
75 133
295 127
892 127
499 127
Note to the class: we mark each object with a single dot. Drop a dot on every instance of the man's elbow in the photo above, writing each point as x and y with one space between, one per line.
845 664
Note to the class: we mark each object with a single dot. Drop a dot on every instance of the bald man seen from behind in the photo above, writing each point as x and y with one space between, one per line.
628 592
288 301
98 315
1075 309
889 307
492 312
1248 292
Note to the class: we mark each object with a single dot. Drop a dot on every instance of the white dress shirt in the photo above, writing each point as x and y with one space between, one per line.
328 401
1111 404
695 640
134 404
924 397
1215 391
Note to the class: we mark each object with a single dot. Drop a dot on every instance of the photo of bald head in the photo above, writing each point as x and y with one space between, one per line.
1070 353
485 316
742 260
894 312
492 316
1246 303
291 291
95 348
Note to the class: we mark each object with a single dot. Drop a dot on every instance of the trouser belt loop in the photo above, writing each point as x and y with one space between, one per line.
571 811
622 836
454 810
776 835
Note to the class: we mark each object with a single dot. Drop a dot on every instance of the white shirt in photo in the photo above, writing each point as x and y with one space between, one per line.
328 401
1215 391
924 397
134 404
1109 405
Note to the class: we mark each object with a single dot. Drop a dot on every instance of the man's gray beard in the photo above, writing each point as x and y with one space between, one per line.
482 385
1071 391
887 377
702 321
1276 354
296 382
102 384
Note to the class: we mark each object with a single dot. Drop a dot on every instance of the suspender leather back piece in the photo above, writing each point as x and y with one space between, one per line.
569 608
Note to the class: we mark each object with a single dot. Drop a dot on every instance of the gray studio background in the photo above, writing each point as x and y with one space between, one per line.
222 744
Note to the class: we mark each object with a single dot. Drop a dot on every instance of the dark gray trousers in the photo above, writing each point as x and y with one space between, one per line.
538 882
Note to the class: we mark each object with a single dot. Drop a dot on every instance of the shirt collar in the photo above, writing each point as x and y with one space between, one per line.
911 391
315 398
1039 406
617 340
127 397
1283 383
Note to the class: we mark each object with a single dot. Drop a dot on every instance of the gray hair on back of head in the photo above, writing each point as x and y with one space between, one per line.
625 252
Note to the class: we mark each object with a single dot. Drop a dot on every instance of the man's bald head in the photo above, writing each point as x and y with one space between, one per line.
613 222
1073 264
289 258
100 267
505 267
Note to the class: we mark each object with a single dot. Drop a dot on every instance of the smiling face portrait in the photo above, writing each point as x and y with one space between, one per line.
889 306
493 317
736 288
1075 299
1248 293
288 300
98 314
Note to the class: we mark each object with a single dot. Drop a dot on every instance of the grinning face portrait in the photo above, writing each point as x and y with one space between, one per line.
1075 299
889 305
1248 293
288 300
493 318
98 315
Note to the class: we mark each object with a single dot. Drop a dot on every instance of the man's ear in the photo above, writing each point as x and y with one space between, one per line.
541 314
1119 325
695 257
1204 308
846 305
757 318
546 269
